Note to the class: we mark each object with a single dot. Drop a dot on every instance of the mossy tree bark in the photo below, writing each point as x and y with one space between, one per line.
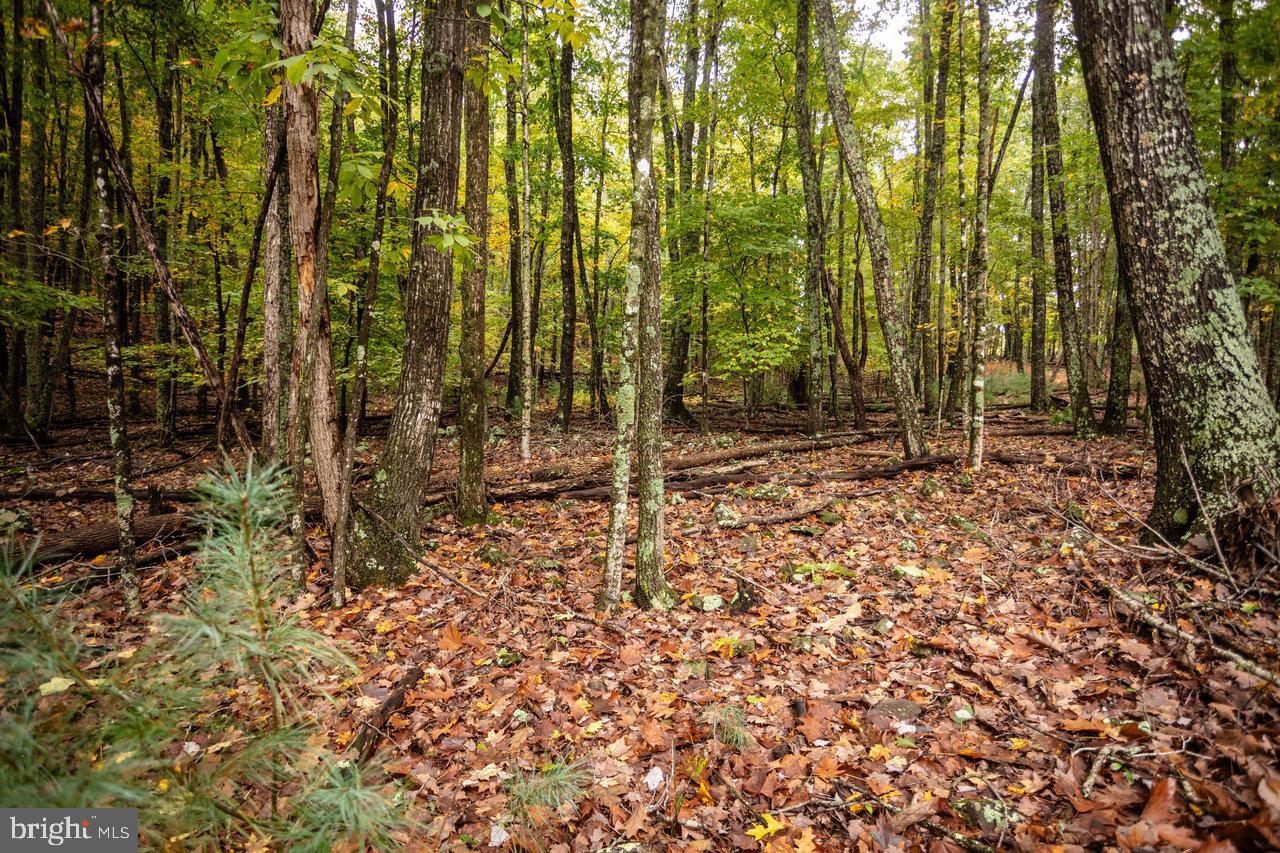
1213 421
891 324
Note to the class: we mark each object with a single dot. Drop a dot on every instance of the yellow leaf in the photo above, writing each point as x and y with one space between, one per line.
879 752
384 626
1019 743
57 684
771 826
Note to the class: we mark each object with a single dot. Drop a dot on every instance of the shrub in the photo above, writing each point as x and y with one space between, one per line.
210 727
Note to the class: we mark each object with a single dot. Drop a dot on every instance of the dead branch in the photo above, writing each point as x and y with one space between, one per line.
1137 608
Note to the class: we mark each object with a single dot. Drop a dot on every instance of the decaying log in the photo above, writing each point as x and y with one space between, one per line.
366 743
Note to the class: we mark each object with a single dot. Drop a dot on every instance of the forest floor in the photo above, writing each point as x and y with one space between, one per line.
931 660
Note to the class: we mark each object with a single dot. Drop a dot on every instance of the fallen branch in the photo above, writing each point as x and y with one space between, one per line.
1137 608
371 729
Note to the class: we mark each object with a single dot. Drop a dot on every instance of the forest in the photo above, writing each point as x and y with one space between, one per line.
567 425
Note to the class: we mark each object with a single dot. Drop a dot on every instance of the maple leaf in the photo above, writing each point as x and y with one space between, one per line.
771 826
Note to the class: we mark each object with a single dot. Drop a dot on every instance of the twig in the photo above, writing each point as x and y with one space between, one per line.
1137 608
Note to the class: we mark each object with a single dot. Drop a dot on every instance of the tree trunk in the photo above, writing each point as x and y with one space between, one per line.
815 249
1068 322
982 196
277 318
905 403
471 406
568 227
389 87
922 348
1039 290
109 244
515 254
1213 421
1121 346
405 467
526 300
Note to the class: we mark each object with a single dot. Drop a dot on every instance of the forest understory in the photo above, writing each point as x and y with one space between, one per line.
865 655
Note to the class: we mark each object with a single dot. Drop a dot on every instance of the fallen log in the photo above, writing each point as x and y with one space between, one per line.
366 743
90 540
1071 465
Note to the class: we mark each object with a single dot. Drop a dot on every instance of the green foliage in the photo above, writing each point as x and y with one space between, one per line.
548 787
218 709
728 725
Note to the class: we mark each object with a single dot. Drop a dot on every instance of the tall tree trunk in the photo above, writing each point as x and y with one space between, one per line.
922 348
471 410
109 244
167 223
526 300
596 314
815 248
982 197
1120 344
515 254
277 319
389 90
1068 322
405 468
647 26
905 404
684 244
640 383
568 227
1213 421
1039 288
957 393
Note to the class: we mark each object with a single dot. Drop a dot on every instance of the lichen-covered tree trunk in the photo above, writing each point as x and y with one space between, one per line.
1213 421
1068 323
1039 289
527 320
624 438
814 231
109 245
982 196
648 23
405 467
277 320
891 323
471 412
